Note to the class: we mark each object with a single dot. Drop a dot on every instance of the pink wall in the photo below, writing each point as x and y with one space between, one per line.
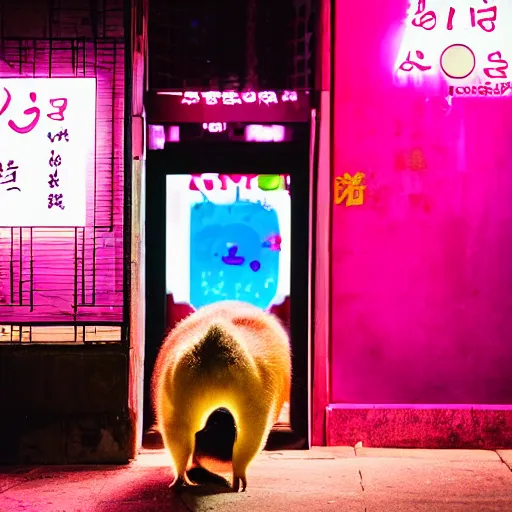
422 272
320 393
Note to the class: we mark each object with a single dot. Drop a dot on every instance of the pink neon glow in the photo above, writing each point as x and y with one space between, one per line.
462 43
215 127
423 407
264 133
222 182
173 134
230 98
55 109
47 130
156 136
420 274
60 274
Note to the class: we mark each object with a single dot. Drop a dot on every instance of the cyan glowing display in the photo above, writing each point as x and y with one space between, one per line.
234 253
228 239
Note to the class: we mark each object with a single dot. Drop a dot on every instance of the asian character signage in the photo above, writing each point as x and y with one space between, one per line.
349 189
465 42
231 98
216 107
47 140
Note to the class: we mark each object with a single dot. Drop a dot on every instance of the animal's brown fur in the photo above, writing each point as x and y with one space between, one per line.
229 354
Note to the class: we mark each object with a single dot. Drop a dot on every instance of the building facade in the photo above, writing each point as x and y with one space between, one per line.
419 351
390 264
65 235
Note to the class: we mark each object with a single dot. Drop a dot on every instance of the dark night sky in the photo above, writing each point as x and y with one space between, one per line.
202 41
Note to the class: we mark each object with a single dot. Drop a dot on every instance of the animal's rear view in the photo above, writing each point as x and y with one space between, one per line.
228 355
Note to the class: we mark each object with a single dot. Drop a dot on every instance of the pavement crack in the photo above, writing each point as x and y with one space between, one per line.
8 488
361 483
26 476
503 460
184 503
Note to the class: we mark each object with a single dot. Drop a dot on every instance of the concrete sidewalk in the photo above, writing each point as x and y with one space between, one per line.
322 479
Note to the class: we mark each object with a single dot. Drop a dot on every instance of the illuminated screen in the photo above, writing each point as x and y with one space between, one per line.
228 238
47 140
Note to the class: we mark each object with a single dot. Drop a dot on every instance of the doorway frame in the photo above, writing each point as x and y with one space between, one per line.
291 158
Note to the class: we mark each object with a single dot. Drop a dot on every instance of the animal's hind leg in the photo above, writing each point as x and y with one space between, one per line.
179 441
252 432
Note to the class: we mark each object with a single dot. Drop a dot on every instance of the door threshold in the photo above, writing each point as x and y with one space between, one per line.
281 437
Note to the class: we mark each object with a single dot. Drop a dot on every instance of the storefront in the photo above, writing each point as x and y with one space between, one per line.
229 179
381 200
65 156
419 347
79 314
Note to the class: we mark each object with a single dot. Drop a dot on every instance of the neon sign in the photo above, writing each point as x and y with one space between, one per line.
47 135
464 45
208 182
230 98
228 182
349 189
265 133
215 127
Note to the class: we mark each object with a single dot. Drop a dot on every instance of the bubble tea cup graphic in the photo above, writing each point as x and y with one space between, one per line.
234 253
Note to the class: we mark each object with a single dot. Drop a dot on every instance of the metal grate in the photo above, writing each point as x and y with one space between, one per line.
60 334
92 19
70 277
197 43
229 44
303 44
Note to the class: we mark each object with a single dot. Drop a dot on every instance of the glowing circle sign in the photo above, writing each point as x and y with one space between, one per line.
458 61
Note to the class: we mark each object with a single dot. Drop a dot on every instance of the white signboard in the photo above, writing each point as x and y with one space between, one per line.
465 43
47 138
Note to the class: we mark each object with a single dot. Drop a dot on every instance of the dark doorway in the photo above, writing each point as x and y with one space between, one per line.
182 175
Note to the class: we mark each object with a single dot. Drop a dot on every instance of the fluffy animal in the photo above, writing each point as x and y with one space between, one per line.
227 355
